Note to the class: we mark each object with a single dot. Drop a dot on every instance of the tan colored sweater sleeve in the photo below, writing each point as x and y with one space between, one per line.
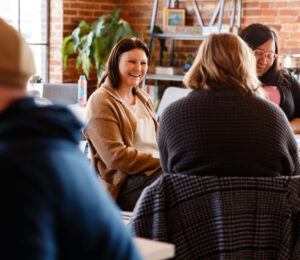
111 130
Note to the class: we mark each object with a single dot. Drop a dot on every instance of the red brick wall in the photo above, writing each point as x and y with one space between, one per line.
284 15
55 41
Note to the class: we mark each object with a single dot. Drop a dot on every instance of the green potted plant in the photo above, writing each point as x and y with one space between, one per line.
93 44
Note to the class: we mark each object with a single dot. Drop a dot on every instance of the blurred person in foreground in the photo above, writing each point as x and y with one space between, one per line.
281 86
224 127
52 206
122 126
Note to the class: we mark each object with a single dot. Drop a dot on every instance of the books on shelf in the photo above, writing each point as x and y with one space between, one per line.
153 93
168 70
183 29
205 30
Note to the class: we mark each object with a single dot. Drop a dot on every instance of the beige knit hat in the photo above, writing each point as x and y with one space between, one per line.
16 59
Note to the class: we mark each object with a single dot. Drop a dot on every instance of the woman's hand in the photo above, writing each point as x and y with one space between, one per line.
295 125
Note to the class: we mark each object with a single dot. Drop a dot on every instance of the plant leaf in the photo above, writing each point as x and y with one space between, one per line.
67 49
116 14
94 44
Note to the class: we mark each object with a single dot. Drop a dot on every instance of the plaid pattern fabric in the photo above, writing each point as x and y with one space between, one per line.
209 217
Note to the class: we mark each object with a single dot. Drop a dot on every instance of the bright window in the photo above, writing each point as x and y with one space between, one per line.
30 17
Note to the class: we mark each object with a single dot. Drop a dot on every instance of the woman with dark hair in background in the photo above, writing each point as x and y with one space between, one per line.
283 86
223 127
122 127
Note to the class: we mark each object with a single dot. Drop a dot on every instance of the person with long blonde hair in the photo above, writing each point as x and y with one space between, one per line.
225 126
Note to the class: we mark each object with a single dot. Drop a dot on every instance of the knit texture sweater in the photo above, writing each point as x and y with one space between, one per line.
110 132
225 133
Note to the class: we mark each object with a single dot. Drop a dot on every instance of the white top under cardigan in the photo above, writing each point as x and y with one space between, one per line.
145 136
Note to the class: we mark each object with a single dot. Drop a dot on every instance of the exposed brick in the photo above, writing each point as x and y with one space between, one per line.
250 4
264 5
264 20
285 35
289 12
55 62
278 4
294 50
269 12
70 12
286 20
92 6
290 27
293 43
252 12
76 5
284 51
295 36
66 5
295 4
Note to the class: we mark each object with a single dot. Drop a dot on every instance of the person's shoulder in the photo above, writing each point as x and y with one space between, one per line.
294 81
99 98
100 103
98 95
267 107
176 109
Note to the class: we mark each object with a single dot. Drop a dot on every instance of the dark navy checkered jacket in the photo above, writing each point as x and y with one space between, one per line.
222 217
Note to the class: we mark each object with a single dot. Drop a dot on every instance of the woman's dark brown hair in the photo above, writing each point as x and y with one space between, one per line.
112 65
257 34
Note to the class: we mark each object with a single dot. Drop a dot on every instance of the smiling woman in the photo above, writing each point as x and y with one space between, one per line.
132 68
264 42
122 127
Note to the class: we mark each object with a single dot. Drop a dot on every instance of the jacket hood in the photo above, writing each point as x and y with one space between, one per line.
26 120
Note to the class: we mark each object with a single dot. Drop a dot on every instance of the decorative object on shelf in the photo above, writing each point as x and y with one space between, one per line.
168 70
162 42
188 62
174 17
206 30
93 44
165 59
183 29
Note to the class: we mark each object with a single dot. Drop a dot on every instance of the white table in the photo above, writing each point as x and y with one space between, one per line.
154 250
78 111
150 249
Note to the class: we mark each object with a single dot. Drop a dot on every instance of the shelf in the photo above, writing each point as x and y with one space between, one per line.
164 77
178 36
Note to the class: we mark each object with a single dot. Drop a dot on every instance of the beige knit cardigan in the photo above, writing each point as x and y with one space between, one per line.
110 132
